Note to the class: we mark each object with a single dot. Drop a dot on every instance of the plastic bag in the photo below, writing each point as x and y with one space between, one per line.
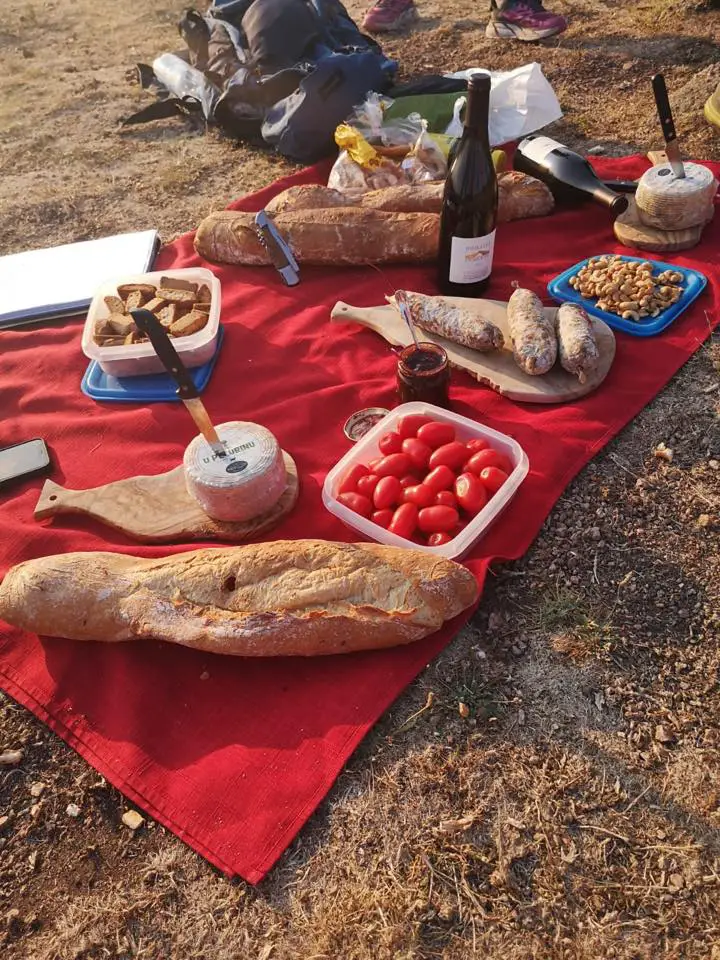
369 120
426 161
359 167
521 101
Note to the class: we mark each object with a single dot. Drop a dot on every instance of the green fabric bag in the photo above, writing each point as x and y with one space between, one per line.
436 108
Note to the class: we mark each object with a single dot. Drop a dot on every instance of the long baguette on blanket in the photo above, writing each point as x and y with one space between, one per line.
286 598
335 236
519 196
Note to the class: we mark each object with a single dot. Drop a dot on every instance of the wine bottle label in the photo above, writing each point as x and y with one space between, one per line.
471 258
538 148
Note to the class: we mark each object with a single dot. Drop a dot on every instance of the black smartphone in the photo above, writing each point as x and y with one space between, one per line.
23 460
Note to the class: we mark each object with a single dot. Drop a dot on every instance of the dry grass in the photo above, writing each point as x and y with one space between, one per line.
576 812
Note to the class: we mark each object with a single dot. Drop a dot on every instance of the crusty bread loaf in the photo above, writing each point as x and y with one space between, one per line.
334 236
421 198
286 598
519 196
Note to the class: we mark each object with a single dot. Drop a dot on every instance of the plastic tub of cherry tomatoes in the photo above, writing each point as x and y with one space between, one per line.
426 478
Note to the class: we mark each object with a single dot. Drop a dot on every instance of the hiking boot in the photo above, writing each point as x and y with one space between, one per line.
389 15
524 20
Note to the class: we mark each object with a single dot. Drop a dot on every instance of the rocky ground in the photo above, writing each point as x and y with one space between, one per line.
572 808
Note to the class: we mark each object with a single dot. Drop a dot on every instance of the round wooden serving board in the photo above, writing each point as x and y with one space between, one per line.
632 232
498 369
159 509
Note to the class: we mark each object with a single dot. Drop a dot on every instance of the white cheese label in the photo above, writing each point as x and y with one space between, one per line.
539 148
249 449
471 258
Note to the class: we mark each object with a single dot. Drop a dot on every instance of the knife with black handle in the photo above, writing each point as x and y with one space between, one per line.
149 324
672 148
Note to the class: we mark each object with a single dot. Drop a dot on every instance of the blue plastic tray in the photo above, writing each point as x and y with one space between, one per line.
693 281
149 389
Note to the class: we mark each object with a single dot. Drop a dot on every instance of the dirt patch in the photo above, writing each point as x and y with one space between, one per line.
574 812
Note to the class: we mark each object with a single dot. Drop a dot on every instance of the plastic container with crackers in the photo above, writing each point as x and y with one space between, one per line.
139 359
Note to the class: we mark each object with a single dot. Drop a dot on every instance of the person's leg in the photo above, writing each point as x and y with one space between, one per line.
522 20
388 15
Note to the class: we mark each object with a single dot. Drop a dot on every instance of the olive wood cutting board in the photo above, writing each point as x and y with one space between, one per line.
498 369
159 509
632 232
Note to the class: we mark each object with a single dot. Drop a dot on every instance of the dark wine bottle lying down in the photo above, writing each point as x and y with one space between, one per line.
569 176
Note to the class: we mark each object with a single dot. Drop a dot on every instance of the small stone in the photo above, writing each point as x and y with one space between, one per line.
36 790
596 151
663 735
595 533
714 464
34 859
704 520
35 809
676 881
72 810
132 820
4 820
463 710
10 758
663 452
628 65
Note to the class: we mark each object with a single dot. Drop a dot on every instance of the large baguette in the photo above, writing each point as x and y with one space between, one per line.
421 198
287 598
335 236
519 196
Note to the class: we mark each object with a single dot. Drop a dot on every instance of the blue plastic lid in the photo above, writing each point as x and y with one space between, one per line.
153 388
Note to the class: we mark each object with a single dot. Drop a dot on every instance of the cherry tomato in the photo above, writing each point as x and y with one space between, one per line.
436 434
357 503
441 478
390 443
421 495
438 539
450 454
373 463
446 498
470 493
437 519
493 478
408 426
366 485
382 518
387 493
349 482
404 520
409 480
476 445
488 458
418 452
394 465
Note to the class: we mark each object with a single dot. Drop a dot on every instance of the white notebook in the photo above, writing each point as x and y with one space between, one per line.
60 281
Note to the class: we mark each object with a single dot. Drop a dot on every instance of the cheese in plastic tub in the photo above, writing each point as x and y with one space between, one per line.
138 359
367 449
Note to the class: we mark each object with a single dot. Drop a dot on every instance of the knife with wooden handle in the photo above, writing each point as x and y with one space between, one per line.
672 148
149 324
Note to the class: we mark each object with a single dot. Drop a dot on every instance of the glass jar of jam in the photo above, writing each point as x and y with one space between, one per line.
424 374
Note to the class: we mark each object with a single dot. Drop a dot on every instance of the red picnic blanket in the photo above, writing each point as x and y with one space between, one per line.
234 755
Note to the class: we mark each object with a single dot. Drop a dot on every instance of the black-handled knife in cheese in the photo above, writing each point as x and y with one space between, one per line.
149 324
672 147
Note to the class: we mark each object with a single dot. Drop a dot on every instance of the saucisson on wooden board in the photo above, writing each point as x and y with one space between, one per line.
159 509
497 370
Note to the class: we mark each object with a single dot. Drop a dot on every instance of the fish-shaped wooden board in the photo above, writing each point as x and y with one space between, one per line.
159 509
498 369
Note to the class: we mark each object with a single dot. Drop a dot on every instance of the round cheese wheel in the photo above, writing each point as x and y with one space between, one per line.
246 482
671 203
